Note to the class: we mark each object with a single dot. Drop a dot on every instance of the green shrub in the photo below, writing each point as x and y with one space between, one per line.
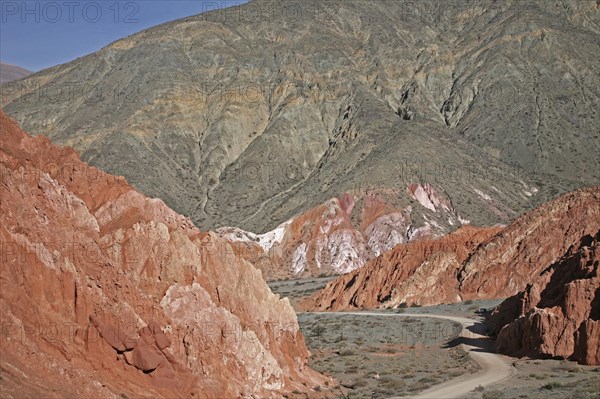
552 385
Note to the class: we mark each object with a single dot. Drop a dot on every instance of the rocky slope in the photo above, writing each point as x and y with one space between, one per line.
472 263
252 115
9 72
558 313
422 273
342 234
107 293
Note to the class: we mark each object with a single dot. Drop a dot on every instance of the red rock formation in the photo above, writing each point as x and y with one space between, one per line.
342 234
106 292
529 245
423 272
558 314
471 263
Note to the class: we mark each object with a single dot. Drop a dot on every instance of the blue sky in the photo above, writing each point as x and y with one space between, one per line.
41 34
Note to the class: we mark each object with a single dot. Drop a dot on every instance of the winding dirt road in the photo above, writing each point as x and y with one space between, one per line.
493 367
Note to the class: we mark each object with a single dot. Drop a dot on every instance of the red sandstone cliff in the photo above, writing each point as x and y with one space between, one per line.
470 263
105 292
558 313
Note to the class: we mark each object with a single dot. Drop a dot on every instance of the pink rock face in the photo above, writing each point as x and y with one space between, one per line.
557 315
427 196
342 234
106 292
471 263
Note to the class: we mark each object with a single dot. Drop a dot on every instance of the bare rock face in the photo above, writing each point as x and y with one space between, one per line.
106 292
558 313
422 272
587 342
470 263
532 243
344 233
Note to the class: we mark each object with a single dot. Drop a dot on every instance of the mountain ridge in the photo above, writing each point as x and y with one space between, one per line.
237 119
9 72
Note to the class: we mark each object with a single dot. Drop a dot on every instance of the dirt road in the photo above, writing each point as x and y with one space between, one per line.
493 367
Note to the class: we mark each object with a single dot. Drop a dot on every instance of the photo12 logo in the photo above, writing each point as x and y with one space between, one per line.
269 11
69 11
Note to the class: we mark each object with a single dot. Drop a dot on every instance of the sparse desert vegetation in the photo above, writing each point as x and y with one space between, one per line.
381 357
377 357
545 379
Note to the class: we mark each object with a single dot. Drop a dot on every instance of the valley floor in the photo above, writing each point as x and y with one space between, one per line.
545 379
383 357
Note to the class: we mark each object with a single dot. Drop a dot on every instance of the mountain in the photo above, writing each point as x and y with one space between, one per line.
252 115
558 313
471 263
345 232
107 293
9 72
